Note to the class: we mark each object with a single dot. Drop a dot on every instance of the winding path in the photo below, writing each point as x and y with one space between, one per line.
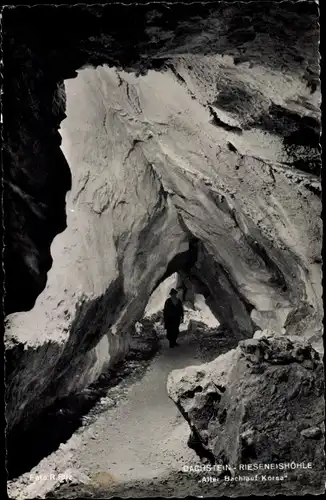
142 440
145 435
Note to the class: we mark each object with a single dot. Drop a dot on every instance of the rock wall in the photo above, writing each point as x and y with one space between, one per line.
203 147
281 36
102 263
261 403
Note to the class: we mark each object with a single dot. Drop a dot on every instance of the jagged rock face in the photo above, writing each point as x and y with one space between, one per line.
202 149
282 37
259 403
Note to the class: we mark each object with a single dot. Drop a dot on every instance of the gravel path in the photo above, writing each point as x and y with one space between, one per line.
141 438
145 435
138 447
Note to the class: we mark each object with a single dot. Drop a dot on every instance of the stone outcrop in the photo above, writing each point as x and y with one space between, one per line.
184 160
259 403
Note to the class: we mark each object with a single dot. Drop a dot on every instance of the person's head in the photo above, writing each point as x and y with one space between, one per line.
173 294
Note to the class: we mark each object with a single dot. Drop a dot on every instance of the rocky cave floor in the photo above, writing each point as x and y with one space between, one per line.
132 441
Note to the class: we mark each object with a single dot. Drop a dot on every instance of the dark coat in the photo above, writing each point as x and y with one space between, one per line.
173 313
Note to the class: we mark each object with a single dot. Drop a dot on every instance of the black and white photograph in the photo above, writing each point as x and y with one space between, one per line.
162 249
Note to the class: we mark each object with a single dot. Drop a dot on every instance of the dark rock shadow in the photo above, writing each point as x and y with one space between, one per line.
26 447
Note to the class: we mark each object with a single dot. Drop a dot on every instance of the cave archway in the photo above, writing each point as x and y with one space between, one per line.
132 211
193 297
247 262
33 91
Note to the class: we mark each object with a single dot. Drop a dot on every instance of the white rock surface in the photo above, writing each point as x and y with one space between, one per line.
147 162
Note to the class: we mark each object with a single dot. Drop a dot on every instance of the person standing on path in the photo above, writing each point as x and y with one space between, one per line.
173 315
